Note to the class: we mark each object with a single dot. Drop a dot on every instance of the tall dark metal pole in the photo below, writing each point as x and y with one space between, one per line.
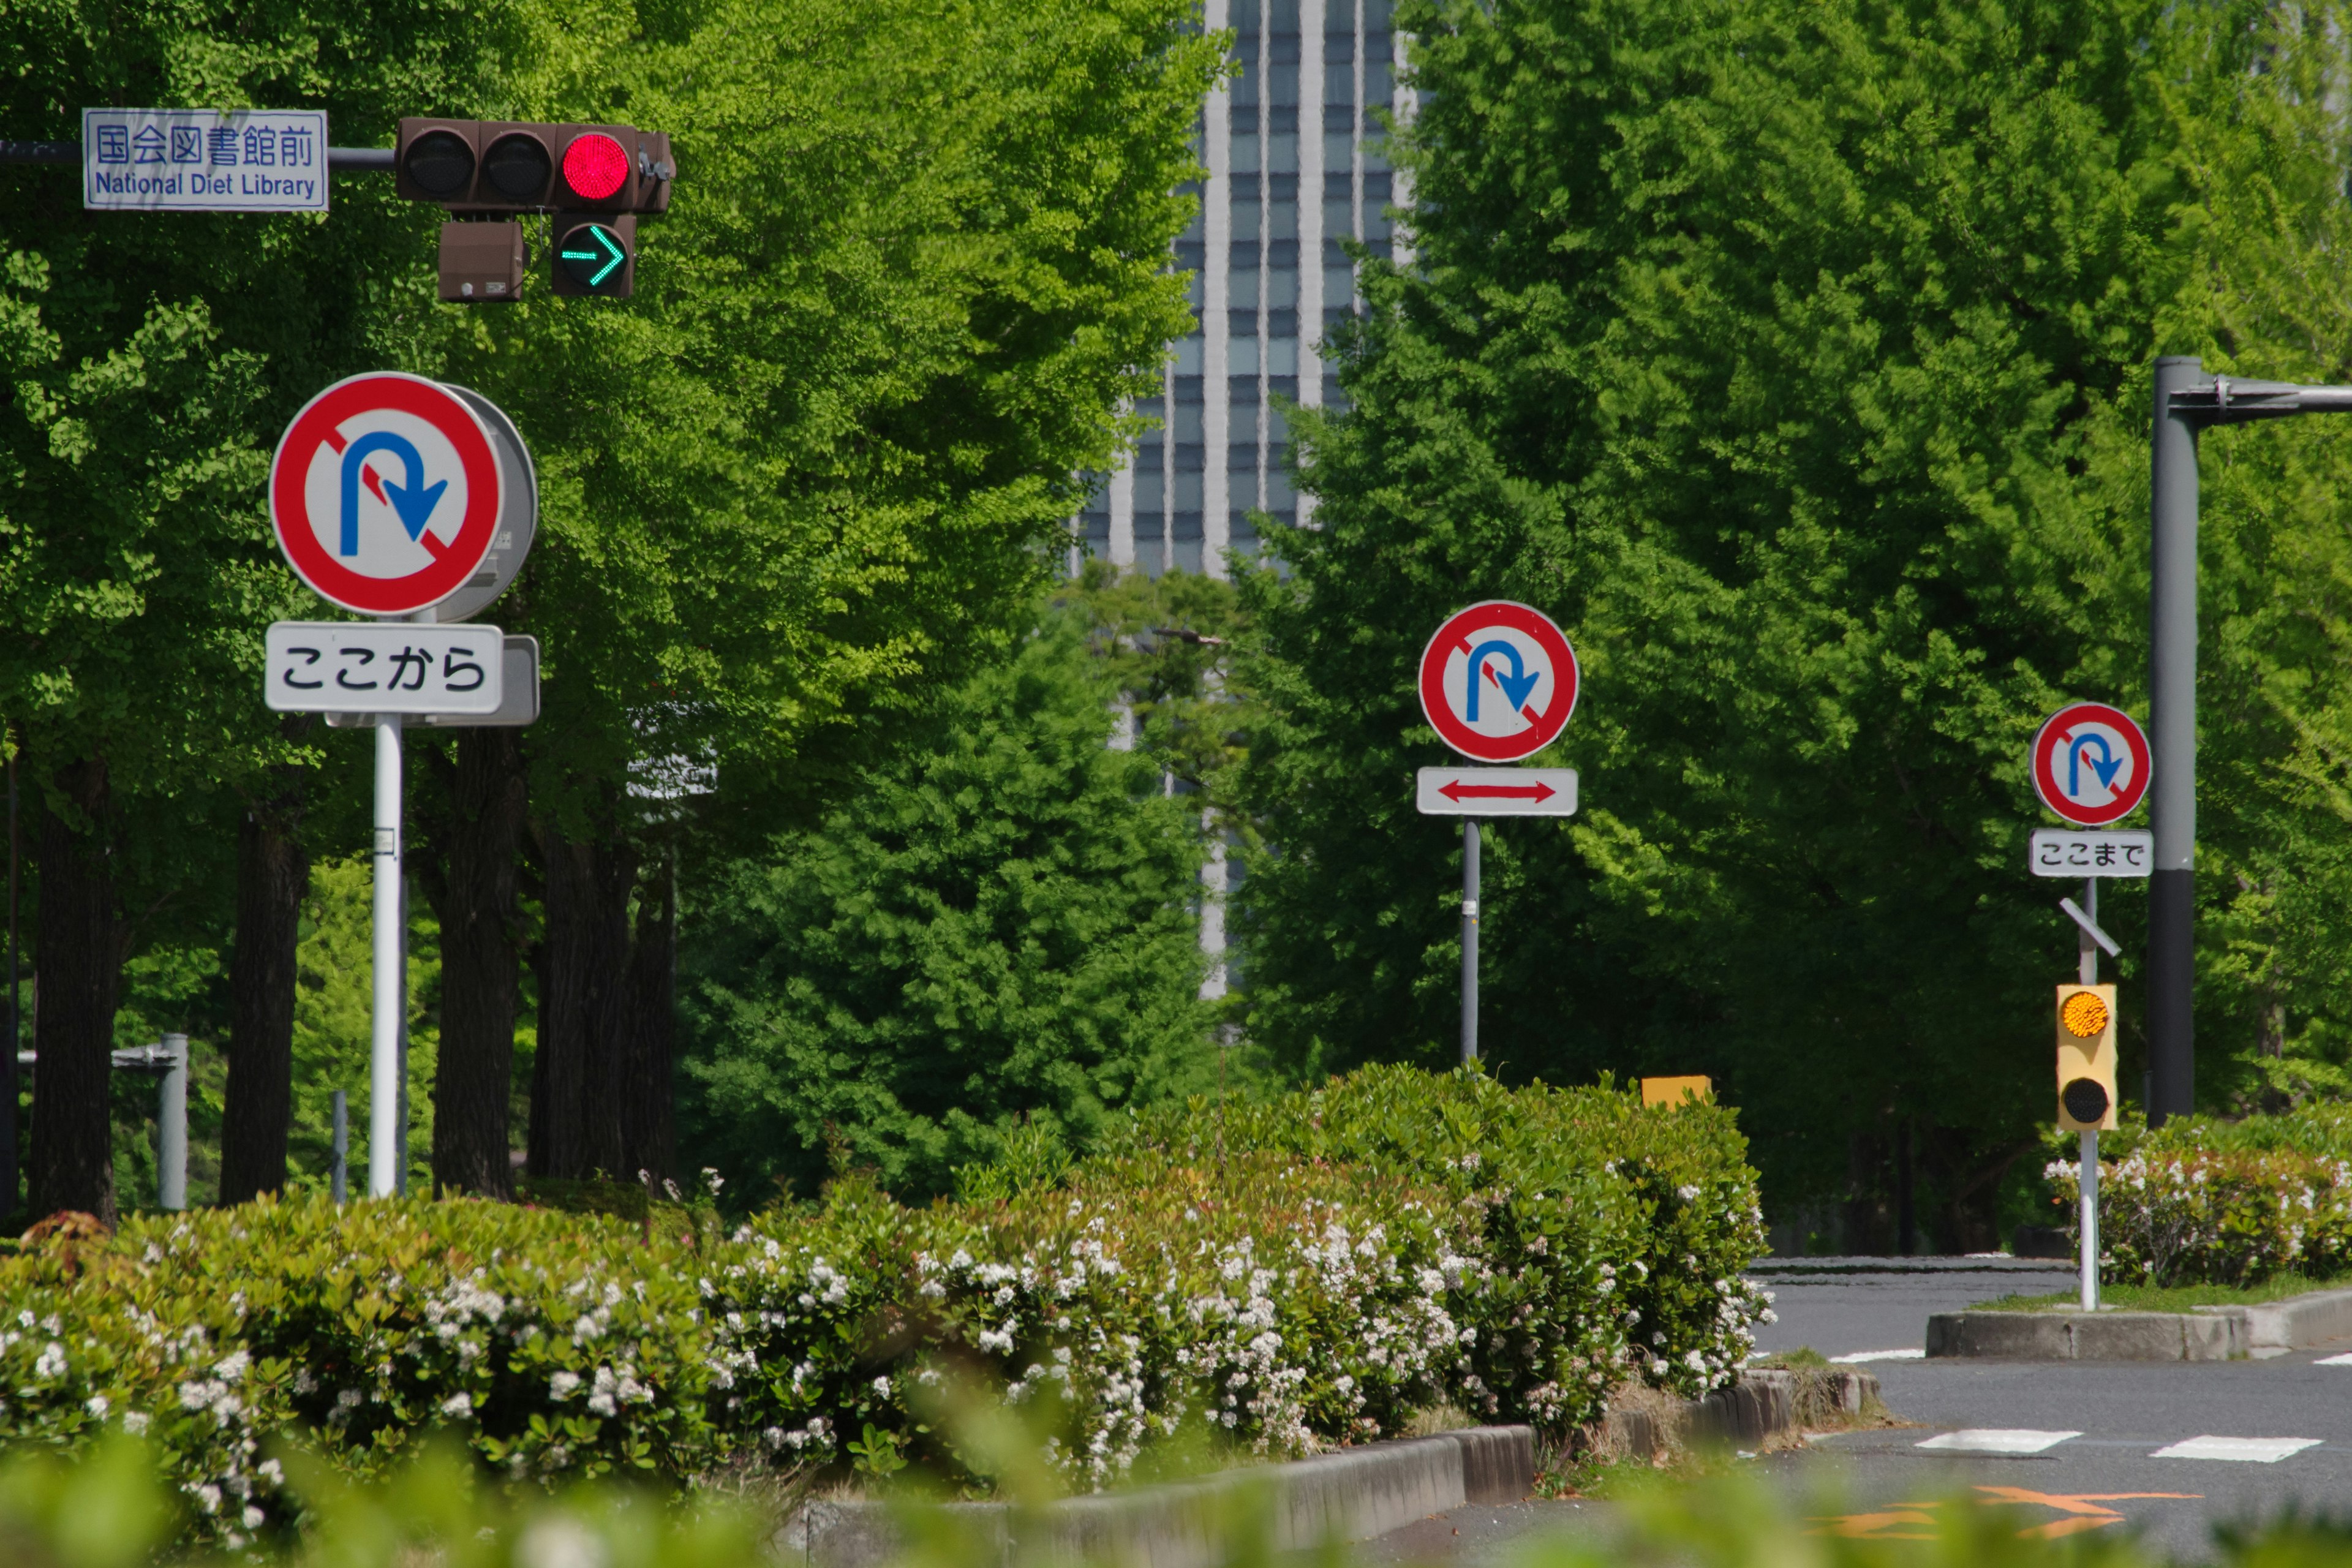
1469 940
16 1032
2185 402
2172 714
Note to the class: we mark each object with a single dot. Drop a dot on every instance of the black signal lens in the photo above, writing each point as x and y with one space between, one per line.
441 163
2086 1099
517 167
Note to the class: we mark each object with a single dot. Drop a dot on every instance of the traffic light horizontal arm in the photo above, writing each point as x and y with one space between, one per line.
2225 400
347 159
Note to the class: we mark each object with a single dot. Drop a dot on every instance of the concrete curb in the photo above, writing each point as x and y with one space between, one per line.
2207 1333
1762 1406
1351 1495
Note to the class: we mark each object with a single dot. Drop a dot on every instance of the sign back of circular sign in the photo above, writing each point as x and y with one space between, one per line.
387 493
518 518
1498 681
2091 763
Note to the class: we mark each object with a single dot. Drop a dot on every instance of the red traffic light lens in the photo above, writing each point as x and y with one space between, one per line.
594 166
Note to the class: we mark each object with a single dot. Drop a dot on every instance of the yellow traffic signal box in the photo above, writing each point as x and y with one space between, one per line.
2086 1057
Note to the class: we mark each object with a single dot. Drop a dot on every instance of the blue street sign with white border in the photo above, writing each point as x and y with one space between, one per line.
204 160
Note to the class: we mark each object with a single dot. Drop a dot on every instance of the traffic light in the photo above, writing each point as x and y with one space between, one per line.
2086 1057
595 179
596 254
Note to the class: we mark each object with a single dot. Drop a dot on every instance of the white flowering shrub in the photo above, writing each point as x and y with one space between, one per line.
1615 1235
1298 1292
2175 1210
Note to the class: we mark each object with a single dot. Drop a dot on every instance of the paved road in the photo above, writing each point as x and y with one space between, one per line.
1847 1306
2067 1444
2165 1450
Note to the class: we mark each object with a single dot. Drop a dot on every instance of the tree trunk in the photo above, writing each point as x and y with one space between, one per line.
77 955
584 984
273 872
480 962
646 1130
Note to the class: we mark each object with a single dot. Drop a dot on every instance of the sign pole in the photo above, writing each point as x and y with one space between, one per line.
391 988
1469 940
2088 1183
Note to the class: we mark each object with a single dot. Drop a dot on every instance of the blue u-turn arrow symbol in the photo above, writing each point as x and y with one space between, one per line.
2107 767
414 501
1515 685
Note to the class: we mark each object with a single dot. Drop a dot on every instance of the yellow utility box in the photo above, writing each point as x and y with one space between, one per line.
1676 1090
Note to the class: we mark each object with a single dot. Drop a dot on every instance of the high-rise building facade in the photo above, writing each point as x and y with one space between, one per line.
1293 147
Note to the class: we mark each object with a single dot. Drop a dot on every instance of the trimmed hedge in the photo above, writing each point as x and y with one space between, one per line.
1391 1241
2204 1201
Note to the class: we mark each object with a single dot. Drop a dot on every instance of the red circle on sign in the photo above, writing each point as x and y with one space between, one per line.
318 425
2079 786
1456 637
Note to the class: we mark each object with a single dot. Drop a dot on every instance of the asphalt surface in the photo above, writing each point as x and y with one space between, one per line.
2165 1451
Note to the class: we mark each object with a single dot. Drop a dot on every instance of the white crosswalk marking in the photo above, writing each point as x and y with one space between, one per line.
2245 1450
1860 1356
1997 1440
2344 1360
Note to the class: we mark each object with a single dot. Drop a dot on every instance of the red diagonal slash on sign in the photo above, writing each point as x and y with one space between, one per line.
1455 790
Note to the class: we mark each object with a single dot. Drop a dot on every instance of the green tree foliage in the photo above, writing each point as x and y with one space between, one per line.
914 259
1795 358
998 927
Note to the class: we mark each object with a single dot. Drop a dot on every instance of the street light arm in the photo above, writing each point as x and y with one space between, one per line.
2225 400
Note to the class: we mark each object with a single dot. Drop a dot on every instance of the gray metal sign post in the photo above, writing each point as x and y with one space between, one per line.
1486 792
2187 401
1469 940
2087 971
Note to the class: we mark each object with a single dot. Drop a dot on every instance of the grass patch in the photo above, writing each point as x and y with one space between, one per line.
2170 1298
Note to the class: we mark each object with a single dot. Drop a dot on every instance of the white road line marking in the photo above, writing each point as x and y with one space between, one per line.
1860 1356
2344 1360
1997 1440
2246 1450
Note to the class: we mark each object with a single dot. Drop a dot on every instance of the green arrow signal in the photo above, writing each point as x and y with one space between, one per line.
612 256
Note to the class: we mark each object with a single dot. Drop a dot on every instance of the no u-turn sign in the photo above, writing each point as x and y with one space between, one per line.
386 493
1498 681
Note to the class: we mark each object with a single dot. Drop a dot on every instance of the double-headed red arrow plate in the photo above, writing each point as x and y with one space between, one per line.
1496 792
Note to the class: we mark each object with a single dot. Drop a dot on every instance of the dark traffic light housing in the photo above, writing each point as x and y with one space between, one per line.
595 179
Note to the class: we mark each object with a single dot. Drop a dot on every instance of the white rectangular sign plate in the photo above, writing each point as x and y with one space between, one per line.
2060 853
384 667
1496 792
204 160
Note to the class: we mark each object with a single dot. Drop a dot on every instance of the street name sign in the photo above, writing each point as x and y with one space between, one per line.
387 494
1496 792
2090 763
204 160
1498 681
375 667
2057 852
